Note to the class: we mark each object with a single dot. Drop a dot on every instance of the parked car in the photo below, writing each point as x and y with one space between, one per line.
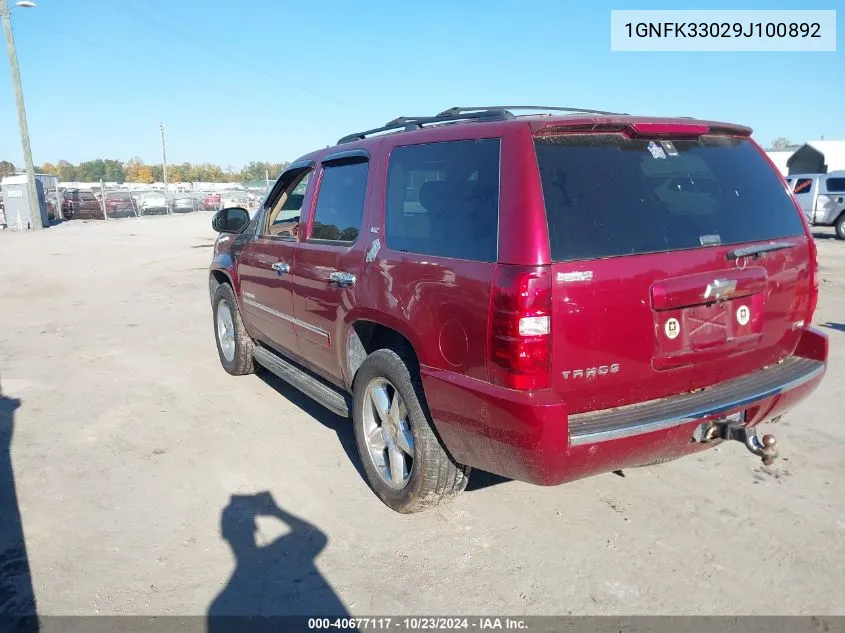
152 203
81 204
235 199
120 204
562 295
211 202
822 198
184 203
52 207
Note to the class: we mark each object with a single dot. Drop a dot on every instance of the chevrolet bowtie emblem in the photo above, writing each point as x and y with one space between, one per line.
719 289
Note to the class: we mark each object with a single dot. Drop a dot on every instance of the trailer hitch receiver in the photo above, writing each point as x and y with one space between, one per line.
763 447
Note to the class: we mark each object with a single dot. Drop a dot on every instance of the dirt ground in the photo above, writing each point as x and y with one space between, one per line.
136 466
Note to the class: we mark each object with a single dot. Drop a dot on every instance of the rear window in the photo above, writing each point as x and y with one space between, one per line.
607 195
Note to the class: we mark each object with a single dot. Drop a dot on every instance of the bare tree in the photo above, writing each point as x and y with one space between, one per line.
781 142
7 168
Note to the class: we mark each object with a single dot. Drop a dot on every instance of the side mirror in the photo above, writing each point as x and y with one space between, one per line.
230 220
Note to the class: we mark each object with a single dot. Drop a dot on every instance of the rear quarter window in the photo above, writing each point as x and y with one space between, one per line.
607 195
443 199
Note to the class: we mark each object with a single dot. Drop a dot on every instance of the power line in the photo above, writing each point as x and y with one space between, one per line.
183 86
217 51
98 46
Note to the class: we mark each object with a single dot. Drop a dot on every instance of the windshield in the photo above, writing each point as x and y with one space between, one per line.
607 195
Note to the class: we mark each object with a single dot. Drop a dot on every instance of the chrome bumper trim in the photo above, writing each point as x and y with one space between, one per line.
656 415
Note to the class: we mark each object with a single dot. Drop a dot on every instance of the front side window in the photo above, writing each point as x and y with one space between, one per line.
340 202
443 199
836 185
286 210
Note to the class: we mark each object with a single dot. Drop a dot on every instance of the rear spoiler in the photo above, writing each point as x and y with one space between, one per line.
638 129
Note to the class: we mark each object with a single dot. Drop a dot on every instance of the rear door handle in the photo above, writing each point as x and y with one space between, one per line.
342 279
281 267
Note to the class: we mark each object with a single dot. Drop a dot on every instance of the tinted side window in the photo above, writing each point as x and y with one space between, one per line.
340 202
836 185
443 199
802 185
285 210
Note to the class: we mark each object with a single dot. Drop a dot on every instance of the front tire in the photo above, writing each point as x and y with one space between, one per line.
839 225
234 344
404 461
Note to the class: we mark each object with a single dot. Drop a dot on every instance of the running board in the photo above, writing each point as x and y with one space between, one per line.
330 397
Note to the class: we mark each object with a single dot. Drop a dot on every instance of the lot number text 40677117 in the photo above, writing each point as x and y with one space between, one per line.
418 623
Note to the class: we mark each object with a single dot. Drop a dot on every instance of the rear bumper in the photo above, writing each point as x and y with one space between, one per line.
530 436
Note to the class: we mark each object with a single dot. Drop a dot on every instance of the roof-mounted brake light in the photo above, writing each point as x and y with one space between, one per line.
667 129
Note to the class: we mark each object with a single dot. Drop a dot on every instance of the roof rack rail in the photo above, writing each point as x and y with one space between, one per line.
461 110
415 123
480 113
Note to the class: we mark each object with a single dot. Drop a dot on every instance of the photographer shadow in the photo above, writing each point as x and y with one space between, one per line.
276 579
17 598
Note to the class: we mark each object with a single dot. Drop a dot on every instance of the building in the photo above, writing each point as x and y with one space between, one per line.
17 212
817 157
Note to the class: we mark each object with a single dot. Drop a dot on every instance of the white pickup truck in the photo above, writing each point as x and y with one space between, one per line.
822 198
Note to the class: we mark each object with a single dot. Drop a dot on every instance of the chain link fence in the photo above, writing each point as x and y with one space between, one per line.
116 203
110 200
86 201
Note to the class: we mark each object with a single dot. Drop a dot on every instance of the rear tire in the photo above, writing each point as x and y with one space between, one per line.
839 225
390 432
234 344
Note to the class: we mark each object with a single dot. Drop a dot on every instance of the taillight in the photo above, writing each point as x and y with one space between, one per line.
813 298
814 280
520 327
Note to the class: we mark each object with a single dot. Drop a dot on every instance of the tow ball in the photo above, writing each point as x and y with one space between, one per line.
763 447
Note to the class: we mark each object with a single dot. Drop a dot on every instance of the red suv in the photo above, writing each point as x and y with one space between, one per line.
544 297
211 202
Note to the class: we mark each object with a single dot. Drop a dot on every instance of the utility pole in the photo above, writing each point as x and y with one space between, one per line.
164 166
103 193
35 207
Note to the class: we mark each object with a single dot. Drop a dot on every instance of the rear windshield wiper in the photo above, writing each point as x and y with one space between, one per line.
755 251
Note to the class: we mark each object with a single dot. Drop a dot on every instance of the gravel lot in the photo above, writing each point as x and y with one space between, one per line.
129 442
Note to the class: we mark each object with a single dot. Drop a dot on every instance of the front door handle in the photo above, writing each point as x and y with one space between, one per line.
342 279
281 267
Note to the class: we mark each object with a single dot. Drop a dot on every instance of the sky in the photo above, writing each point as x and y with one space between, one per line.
271 80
